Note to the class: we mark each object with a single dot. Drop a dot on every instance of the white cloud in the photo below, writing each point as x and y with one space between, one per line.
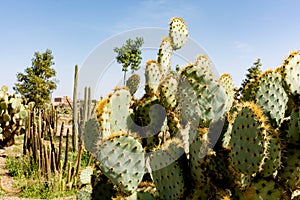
243 46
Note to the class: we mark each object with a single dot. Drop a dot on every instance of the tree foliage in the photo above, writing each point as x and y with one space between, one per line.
253 73
37 82
129 55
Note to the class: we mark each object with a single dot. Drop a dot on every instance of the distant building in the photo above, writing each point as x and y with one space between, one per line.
61 100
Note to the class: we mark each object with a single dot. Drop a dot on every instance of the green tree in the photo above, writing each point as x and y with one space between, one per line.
37 82
129 55
253 73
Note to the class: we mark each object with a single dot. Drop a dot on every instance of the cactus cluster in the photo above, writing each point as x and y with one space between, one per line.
168 144
12 117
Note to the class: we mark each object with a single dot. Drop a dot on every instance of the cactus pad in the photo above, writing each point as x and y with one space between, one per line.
271 97
294 127
133 83
178 33
168 90
168 166
263 189
164 56
291 171
291 73
225 80
85 175
153 76
91 135
119 104
249 140
122 160
200 154
201 97
273 161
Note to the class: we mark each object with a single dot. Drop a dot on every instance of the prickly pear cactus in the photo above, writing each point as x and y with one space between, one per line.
153 76
294 127
169 165
168 89
291 169
199 155
178 32
133 83
113 113
201 97
85 175
263 189
13 113
250 139
92 135
164 56
291 73
161 146
271 97
225 80
122 160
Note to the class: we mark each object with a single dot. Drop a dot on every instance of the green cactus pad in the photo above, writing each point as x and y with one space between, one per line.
85 193
133 83
164 56
199 154
263 190
16 104
225 80
85 175
23 114
113 113
227 136
122 161
153 75
249 140
294 127
271 97
168 90
291 168
119 105
91 135
168 166
291 73
273 161
201 98
103 116
178 33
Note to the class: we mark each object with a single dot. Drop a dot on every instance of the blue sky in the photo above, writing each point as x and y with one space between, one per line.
233 33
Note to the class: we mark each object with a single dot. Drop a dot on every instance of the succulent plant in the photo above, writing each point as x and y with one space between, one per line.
13 114
163 145
133 83
291 73
122 160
